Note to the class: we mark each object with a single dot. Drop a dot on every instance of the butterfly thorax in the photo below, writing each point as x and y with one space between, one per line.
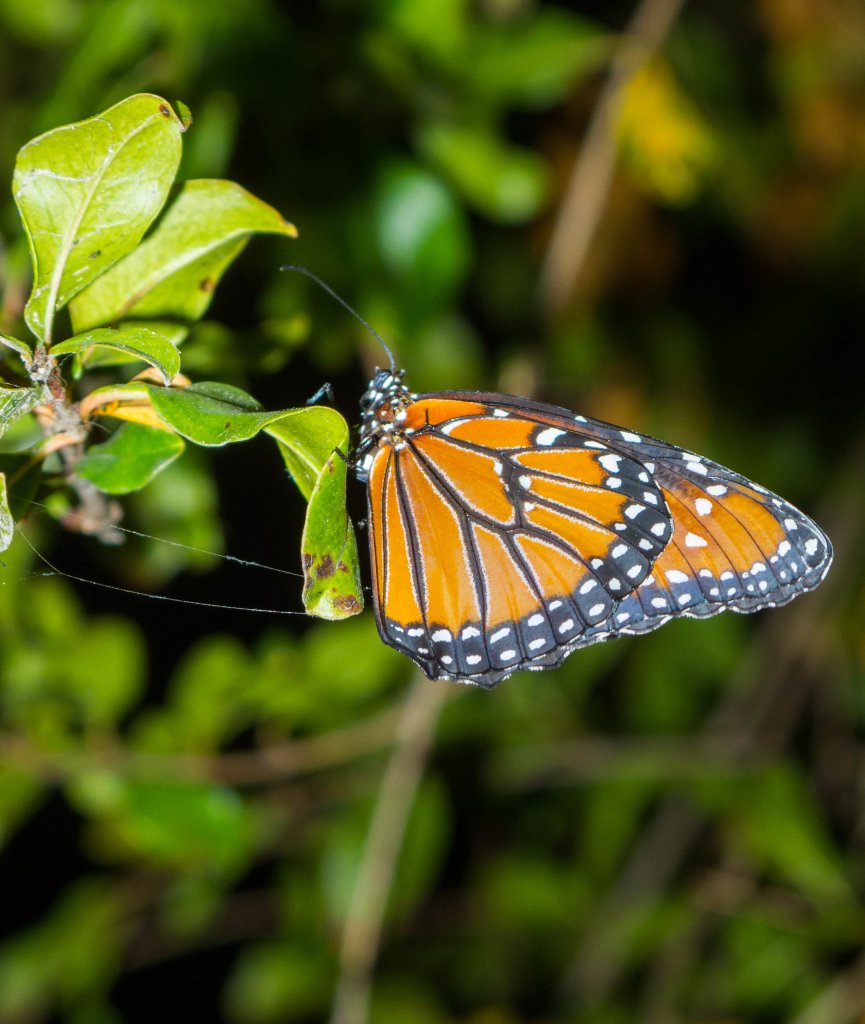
383 413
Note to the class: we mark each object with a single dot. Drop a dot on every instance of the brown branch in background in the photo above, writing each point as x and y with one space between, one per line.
362 931
261 767
586 195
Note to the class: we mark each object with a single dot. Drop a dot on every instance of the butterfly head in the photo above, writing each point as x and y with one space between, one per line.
382 410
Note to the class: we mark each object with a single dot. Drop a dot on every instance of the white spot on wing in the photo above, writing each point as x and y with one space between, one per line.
549 436
694 541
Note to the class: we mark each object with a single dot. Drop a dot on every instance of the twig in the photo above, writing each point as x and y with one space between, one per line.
363 924
589 185
264 766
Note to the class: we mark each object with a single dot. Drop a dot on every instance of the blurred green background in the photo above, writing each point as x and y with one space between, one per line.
204 814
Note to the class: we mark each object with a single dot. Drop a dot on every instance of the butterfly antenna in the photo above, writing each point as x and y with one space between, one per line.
314 277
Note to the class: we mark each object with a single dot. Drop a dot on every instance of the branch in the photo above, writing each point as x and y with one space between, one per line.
362 931
586 195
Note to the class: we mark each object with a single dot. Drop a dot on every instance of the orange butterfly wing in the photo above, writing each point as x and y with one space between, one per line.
505 534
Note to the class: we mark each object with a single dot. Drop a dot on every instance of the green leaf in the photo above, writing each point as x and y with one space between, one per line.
87 192
785 829
186 825
129 459
207 420
23 474
17 402
278 981
213 415
169 280
332 586
422 234
535 61
7 523
433 27
134 342
70 955
505 182
310 442
307 438
21 347
20 792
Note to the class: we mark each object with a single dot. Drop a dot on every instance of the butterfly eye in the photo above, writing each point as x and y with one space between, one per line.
505 534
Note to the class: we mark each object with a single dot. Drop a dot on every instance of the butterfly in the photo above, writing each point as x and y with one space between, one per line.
505 534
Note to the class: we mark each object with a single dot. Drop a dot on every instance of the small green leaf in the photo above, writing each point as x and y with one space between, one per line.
332 587
535 60
21 347
69 956
278 980
7 523
784 828
186 825
17 402
421 233
209 421
129 459
87 192
170 278
314 443
221 392
505 182
135 342
23 474
307 438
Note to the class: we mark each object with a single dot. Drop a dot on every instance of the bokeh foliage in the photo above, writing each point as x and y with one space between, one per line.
666 828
